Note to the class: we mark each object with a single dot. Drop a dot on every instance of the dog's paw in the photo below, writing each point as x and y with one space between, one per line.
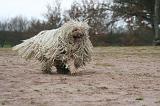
74 72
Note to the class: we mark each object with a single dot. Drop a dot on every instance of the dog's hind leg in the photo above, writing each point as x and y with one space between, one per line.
61 67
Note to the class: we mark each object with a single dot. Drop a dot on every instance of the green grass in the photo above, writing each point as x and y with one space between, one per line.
7 46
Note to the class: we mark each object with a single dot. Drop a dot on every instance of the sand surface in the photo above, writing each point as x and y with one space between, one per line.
117 76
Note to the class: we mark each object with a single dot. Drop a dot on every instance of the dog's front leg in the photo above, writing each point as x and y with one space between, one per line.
72 68
46 67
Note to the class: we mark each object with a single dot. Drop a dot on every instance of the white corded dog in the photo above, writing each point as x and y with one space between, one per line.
67 48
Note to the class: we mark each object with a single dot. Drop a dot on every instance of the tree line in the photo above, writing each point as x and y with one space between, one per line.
121 22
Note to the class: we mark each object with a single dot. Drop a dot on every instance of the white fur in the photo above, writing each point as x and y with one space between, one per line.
50 43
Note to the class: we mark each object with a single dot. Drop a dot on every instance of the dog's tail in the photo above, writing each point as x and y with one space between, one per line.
29 48
36 46
25 49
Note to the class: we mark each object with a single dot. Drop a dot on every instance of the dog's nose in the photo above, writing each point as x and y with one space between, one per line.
77 34
80 34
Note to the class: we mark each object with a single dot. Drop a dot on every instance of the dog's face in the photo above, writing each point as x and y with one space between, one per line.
77 34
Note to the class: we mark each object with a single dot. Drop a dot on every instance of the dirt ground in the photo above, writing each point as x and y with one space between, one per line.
117 76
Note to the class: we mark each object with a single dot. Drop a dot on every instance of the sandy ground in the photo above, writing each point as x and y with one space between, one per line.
117 76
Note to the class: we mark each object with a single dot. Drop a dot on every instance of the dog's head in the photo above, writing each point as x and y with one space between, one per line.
77 34
76 31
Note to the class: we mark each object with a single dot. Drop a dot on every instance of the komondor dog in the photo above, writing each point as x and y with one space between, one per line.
67 48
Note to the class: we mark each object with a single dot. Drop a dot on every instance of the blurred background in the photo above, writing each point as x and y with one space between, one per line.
113 22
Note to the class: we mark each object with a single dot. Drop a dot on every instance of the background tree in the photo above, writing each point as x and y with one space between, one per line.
156 21
12 30
3 26
137 13
105 18
36 26
53 15
18 24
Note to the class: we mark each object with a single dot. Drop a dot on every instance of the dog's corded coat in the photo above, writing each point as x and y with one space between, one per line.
58 44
